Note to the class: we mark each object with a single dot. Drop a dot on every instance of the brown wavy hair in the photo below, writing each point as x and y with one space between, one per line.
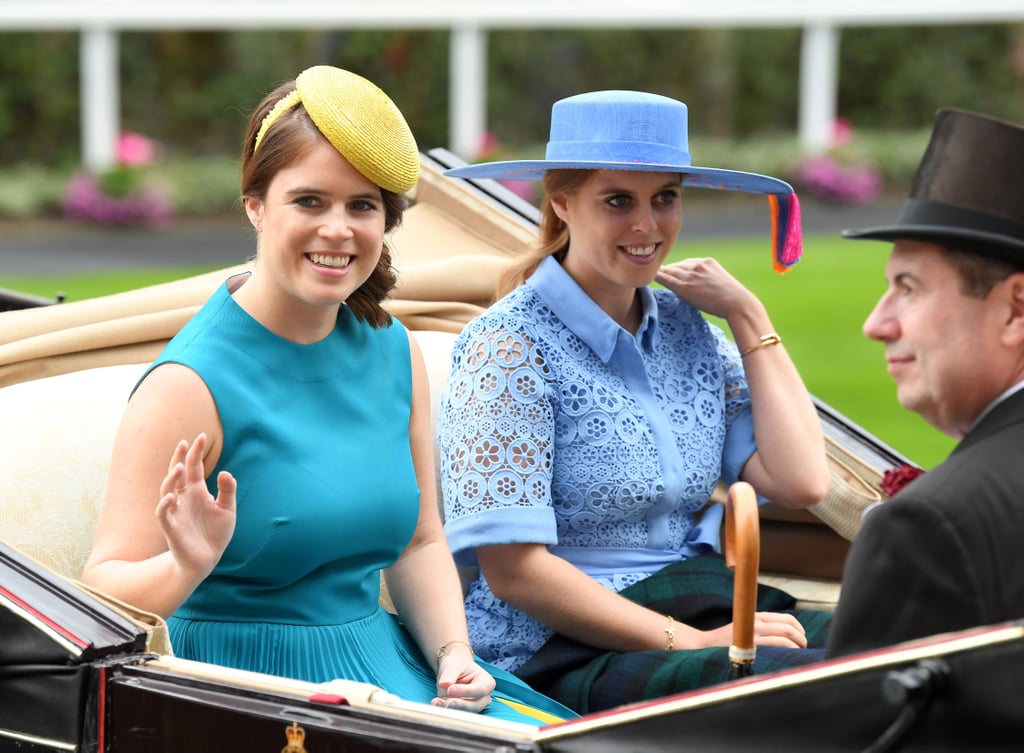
287 140
554 233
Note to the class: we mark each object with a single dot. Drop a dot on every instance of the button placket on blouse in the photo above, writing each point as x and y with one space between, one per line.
629 358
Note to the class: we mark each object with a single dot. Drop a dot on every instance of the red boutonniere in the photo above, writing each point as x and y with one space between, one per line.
896 478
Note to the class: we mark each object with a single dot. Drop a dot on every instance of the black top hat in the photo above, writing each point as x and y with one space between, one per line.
969 189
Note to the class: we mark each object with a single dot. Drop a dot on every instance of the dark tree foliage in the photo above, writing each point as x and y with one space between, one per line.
897 77
529 70
39 98
193 90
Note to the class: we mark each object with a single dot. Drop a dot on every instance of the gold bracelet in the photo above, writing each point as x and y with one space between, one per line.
670 631
772 338
443 651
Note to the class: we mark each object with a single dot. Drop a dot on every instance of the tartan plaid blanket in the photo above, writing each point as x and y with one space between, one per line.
697 591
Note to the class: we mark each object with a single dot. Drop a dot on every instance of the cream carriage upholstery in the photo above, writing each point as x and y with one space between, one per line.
66 371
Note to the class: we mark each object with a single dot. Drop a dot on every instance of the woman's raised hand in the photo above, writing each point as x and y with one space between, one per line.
197 525
705 284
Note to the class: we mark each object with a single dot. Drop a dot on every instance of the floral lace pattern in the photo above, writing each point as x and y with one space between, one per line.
621 453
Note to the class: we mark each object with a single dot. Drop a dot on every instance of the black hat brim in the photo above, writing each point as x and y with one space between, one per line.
954 227
966 240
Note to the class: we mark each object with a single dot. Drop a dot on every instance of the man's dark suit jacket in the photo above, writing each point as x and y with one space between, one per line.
945 553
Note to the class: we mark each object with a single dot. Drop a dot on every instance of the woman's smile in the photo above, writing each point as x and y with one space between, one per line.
641 251
330 261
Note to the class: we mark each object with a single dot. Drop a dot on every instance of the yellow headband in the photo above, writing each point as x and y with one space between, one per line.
359 120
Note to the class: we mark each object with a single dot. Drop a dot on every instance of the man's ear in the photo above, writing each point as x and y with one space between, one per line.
1013 332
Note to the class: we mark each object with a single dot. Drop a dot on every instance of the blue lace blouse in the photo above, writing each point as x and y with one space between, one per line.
559 427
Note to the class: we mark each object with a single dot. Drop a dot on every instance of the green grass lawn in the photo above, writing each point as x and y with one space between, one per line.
78 287
818 308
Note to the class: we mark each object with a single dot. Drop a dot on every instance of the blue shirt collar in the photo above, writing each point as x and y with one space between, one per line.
586 319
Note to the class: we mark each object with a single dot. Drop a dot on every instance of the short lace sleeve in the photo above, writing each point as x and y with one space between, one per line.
495 431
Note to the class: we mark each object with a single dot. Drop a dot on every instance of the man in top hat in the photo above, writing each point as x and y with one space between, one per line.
943 554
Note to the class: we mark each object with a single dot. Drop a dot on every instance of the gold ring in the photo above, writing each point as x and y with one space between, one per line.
181 489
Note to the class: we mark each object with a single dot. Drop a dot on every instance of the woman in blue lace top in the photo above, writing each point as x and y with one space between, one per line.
589 416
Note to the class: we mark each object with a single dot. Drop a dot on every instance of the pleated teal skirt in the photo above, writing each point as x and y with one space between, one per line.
376 649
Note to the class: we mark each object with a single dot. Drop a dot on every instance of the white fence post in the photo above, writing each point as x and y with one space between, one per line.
100 95
467 101
819 74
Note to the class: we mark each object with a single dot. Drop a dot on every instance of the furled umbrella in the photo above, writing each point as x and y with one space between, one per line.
743 556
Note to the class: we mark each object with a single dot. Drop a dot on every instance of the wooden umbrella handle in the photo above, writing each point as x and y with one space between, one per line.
743 556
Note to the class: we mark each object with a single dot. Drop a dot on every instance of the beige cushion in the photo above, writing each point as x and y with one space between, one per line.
437 350
54 455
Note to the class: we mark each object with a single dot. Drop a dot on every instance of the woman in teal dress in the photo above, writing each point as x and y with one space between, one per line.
283 439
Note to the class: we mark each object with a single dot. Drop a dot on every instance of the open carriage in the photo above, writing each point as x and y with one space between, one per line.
82 672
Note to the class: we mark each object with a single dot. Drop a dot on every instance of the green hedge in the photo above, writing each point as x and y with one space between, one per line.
208 186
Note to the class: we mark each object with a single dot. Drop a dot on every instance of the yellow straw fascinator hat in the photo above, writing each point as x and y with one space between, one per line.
359 120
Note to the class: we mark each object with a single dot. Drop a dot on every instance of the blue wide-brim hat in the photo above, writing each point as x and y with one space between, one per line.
640 131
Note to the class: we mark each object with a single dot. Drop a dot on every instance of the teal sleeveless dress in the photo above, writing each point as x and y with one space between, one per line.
317 437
